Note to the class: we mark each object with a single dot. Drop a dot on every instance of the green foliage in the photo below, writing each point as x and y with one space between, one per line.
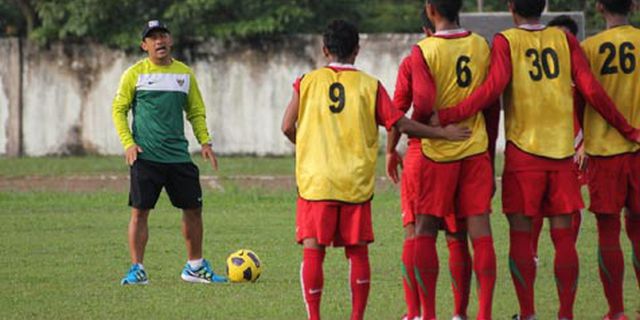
11 20
118 23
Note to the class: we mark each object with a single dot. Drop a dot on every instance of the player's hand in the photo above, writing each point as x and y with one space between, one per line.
456 133
394 160
208 154
131 154
434 121
580 158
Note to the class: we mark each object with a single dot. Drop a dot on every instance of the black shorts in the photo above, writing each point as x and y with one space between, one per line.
181 180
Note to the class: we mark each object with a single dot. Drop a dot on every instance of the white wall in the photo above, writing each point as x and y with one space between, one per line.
68 89
4 119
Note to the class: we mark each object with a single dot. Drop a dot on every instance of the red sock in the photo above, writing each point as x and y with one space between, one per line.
566 270
460 269
633 232
426 260
359 279
411 296
312 280
611 261
484 265
576 221
536 229
523 270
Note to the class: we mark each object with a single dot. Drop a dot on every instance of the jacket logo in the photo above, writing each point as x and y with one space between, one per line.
180 82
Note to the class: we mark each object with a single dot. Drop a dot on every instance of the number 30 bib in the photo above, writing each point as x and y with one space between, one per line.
539 101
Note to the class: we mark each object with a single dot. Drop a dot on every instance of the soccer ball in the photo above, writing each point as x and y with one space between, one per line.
243 266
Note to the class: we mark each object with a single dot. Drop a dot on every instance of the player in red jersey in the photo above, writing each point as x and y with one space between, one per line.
568 25
333 119
536 66
614 162
451 179
459 258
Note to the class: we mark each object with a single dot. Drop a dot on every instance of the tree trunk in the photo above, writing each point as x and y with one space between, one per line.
28 12
480 5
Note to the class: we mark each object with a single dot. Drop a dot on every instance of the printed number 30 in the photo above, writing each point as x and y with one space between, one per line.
336 94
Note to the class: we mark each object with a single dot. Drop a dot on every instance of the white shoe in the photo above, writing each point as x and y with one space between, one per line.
457 317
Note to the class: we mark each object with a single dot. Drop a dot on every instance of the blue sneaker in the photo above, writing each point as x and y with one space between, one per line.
136 275
204 274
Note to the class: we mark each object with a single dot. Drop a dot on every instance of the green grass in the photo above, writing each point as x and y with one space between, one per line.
64 253
114 165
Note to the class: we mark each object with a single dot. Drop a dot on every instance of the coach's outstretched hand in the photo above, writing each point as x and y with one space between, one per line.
131 154
456 133
394 160
207 154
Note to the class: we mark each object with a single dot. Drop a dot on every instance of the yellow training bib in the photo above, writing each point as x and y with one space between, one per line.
539 99
337 136
614 55
458 67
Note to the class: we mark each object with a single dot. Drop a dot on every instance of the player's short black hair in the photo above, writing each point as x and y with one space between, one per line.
341 38
449 9
426 23
565 21
529 8
617 6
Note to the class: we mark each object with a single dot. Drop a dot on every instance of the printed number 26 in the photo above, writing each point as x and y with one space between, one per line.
336 94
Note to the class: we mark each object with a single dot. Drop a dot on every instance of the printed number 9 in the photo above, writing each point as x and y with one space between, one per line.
336 94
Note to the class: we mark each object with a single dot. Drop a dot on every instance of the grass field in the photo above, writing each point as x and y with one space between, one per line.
64 253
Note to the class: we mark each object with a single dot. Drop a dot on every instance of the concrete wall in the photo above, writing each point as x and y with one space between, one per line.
57 100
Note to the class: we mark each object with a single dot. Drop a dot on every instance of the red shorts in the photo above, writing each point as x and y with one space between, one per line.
413 164
333 222
460 188
582 175
614 183
411 167
540 193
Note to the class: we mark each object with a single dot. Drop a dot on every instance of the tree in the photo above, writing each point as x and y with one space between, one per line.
117 23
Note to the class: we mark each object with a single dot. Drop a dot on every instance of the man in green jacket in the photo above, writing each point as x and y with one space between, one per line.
158 90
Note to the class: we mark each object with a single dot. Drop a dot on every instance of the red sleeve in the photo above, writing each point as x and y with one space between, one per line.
386 114
423 86
492 121
402 96
594 94
497 80
296 85
578 105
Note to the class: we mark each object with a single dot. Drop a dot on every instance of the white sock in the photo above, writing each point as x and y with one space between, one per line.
140 266
195 264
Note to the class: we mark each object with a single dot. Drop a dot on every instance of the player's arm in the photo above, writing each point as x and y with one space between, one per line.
291 117
393 158
197 116
119 111
492 121
389 117
498 78
402 99
594 93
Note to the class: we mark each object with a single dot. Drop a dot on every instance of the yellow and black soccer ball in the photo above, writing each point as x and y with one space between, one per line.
243 266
